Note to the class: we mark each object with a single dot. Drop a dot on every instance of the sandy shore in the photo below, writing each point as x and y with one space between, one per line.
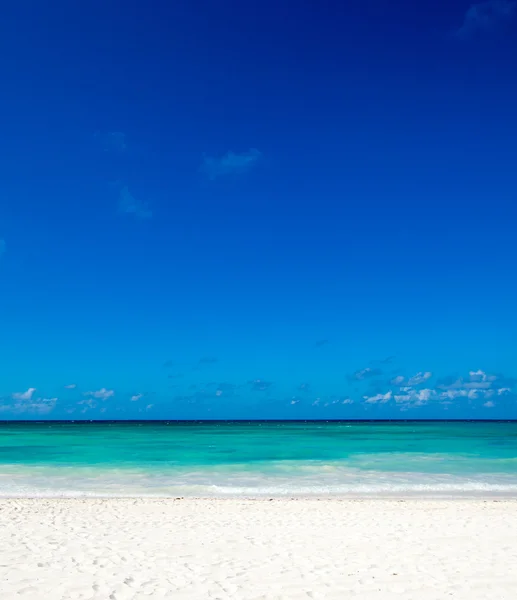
196 549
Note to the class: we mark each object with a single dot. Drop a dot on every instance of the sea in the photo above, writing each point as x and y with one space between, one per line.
258 459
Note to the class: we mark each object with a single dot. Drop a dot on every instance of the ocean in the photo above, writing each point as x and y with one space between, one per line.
258 459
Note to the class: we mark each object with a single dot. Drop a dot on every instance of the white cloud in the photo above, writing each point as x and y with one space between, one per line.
478 386
347 401
416 397
24 395
129 205
482 385
452 394
469 392
419 378
102 394
486 17
402 398
230 163
478 380
26 404
451 386
481 376
72 386
136 397
381 398
489 404
425 395
149 406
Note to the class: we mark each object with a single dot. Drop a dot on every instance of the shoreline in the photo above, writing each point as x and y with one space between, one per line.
467 497
133 500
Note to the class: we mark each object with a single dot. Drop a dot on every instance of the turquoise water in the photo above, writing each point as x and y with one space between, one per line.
258 459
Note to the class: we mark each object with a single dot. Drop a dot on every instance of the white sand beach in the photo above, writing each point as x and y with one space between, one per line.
122 549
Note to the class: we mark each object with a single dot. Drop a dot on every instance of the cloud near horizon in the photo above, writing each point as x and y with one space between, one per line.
418 379
24 395
486 17
102 394
477 386
230 163
26 404
476 390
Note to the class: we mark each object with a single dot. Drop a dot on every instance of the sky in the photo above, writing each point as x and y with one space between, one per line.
217 210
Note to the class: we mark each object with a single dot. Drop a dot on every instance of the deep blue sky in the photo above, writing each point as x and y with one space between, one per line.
243 209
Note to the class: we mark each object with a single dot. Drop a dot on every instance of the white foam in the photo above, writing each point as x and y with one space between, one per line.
363 490
305 481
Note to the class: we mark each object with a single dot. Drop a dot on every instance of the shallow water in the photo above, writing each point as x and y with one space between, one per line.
258 459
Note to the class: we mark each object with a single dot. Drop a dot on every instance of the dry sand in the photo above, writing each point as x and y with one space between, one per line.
136 549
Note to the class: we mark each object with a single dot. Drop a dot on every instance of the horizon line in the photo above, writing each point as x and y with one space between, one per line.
202 421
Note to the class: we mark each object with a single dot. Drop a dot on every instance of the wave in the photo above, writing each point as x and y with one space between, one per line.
286 479
366 490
